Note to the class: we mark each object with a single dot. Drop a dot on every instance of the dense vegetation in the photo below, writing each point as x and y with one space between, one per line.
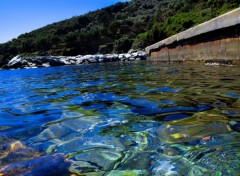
116 28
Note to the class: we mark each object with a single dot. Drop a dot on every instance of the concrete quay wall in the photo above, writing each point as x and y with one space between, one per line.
214 40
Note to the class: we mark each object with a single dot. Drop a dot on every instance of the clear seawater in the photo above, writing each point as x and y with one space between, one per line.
137 118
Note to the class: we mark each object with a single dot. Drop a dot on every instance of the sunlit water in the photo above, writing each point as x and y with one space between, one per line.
136 118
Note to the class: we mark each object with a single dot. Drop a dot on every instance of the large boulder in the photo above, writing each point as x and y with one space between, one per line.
15 62
45 165
52 61
198 126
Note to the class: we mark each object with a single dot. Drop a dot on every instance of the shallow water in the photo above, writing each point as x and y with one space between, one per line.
138 118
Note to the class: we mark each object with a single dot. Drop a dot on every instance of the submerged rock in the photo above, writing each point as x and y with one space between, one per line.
15 152
200 125
237 103
18 159
224 161
127 173
46 165
165 167
85 168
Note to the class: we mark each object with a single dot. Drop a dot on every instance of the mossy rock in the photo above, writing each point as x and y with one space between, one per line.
200 125
127 173
237 103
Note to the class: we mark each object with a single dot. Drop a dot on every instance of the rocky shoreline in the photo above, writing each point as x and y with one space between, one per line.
19 62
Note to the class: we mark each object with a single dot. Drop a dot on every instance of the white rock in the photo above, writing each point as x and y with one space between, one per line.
131 59
46 65
100 56
141 53
72 61
15 60
121 56
127 56
79 61
115 55
88 56
134 54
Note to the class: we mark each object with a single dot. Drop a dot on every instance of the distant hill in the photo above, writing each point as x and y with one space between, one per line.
116 28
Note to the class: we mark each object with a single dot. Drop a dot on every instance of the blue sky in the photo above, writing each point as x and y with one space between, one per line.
21 16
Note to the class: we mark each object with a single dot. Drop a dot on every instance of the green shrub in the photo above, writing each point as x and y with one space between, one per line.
122 45
105 49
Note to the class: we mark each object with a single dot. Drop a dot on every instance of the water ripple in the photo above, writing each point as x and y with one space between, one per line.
140 118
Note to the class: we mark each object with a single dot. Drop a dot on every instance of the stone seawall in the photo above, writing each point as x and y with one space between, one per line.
217 40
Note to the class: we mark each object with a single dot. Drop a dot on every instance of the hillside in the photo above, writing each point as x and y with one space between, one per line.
116 28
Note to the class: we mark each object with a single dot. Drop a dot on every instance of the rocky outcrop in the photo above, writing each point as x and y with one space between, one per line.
47 61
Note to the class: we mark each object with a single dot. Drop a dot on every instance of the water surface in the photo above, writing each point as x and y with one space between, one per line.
138 118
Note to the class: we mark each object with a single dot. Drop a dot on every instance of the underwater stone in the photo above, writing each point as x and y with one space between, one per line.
38 166
175 117
102 158
127 173
15 152
85 168
94 173
200 125
170 150
197 170
165 167
237 103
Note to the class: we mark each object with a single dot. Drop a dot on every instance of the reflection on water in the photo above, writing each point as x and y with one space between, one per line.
120 119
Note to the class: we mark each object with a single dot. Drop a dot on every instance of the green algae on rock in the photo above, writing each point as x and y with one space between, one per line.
127 173
237 103
200 125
